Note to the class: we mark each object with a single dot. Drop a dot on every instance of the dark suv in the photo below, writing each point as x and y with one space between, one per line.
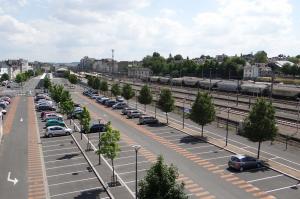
97 128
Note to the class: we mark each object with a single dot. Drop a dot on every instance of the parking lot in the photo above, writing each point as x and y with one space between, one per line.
265 179
68 173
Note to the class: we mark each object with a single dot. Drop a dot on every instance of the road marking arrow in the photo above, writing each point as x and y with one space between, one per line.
15 181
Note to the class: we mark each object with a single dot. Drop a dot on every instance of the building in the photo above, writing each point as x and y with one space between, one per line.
86 64
251 71
14 66
265 71
139 72
105 66
280 64
221 58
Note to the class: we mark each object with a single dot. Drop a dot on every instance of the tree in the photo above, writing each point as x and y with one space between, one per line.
104 86
56 92
145 96
73 79
166 102
97 83
91 80
261 57
178 57
84 121
109 145
19 78
4 77
67 107
115 89
260 124
127 92
203 110
160 182
47 83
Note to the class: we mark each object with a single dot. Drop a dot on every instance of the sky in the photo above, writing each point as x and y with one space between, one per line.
67 30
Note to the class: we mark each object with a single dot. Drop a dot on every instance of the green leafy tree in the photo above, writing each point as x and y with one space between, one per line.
73 79
67 107
260 124
109 145
4 77
127 92
97 83
203 110
56 92
66 74
160 183
104 86
145 96
65 96
166 102
261 57
91 80
115 89
47 83
19 78
84 120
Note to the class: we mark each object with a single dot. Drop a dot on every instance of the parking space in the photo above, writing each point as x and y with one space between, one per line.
265 179
68 173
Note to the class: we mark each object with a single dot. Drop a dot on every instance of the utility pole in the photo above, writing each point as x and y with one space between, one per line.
209 80
271 91
112 66
237 92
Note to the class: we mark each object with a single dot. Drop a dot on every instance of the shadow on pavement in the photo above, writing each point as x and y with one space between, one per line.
68 156
193 139
157 125
90 194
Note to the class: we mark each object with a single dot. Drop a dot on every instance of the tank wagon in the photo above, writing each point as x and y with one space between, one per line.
254 88
286 91
177 81
228 85
164 80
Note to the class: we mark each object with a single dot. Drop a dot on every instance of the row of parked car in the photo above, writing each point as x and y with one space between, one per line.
119 103
4 102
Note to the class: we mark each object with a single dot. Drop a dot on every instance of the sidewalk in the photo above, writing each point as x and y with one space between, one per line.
294 173
103 171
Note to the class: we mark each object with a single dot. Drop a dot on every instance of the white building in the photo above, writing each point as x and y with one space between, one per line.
105 66
139 72
251 71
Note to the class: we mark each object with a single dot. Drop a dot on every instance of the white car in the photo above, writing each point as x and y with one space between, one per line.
57 131
51 116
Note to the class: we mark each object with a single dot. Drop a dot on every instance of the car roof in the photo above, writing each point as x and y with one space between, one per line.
239 156
55 126
54 120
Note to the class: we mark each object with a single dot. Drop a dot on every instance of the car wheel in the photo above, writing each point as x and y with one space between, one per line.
67 133
50 135
258 165
241 169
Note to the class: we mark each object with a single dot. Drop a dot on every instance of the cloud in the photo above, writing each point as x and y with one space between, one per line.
75 28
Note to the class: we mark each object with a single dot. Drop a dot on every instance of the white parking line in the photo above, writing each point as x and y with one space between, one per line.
132 150
128 182
67 182
197 147
132 156
60 149
51 141
265 178
170 136
63 160
120 165
218 157
82 190
222 165
69 165
54 145
132 171
62 174
45 156
273 190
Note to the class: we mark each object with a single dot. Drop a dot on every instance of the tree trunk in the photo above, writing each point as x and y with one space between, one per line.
112 164
258 150
145 108
167 118
202 130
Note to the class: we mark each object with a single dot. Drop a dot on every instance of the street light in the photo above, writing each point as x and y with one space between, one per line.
228 109
136 148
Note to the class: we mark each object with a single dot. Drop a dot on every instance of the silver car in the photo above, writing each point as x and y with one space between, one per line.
242 162
57 131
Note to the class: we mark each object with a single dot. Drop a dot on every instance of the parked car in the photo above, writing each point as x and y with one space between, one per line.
97 128
103 100
127 109
53 116
5 98
120 99
45 112
99 99
75 115
53 122
3 112
145 119
5 102
119 105
242 162
57 131
133 114
94 96
77 105
110 103
46 108
3 105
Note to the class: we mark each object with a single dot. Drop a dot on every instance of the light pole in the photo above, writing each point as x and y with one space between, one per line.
136 99
183 112
228 109
136 148
209 79
99 144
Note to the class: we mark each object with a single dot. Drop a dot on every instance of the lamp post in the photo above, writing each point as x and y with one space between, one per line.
99 142
136 99
209 79
136 148
228 109
183 112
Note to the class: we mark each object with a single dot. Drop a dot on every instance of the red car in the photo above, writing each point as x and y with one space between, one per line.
45 112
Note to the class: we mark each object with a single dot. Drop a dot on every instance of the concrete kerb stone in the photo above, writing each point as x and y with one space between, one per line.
293 173
94 170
